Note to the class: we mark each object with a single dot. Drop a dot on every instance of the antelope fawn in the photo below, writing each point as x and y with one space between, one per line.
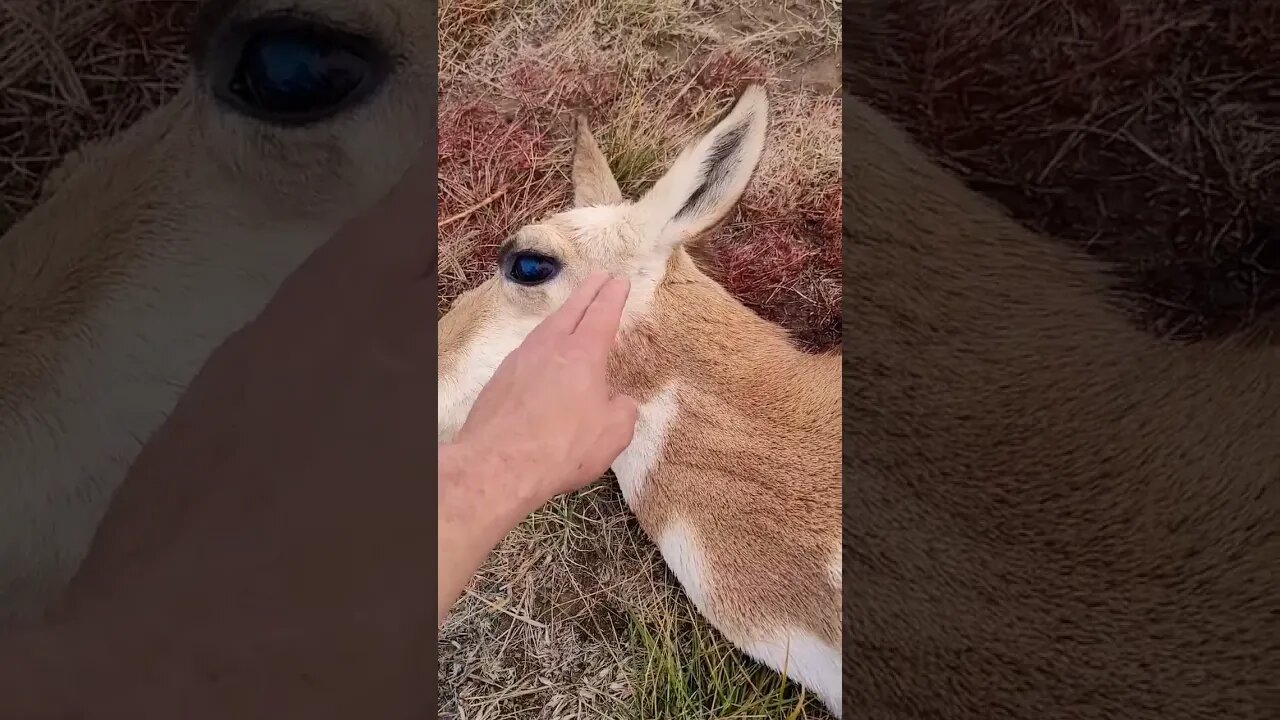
734 470
1048 512
154 246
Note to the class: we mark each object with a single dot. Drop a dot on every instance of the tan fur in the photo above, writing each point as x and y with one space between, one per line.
1049 513
753 458
151 247
743 483
64 255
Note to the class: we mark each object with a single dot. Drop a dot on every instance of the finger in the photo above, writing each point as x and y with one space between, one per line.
397 235
599 325
563 321
411 235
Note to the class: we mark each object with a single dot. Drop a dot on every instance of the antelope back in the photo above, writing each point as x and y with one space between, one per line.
733 470
153 246
1049 513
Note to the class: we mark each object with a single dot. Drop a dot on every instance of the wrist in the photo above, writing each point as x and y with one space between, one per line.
483 484
477 506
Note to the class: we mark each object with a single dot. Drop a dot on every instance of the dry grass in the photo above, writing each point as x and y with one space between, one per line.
575 616
1147 131
647 87
72 71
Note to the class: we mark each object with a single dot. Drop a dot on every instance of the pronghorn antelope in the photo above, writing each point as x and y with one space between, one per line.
734 471
1048 512
157 244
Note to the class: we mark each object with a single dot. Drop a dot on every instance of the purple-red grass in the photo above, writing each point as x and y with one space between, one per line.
785 266
483 151
779 252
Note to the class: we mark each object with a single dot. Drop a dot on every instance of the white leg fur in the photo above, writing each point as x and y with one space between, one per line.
799 655
809 661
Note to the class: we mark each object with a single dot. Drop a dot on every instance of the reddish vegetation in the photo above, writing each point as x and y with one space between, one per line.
783 264
482 151
584 84
727 69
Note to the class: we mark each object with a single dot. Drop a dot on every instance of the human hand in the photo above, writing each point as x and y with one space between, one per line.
547 414
266 554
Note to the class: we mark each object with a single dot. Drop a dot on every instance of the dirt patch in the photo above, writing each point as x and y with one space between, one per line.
1145 131
821 74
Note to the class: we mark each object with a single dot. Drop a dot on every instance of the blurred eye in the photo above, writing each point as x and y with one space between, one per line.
530 268
292 72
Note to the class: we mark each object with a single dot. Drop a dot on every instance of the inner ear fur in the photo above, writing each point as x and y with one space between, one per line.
710 175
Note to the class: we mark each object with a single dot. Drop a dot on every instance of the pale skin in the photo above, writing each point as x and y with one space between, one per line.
259 563
545 424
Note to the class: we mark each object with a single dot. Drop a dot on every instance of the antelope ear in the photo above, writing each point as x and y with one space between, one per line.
710 175
593 181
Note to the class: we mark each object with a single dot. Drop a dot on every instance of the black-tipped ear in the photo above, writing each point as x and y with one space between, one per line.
710 175
725 154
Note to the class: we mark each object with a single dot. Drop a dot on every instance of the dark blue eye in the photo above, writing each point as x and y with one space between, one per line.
292 72
530 268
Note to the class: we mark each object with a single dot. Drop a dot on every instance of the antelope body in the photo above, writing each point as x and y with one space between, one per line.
1048 512
734 468
153 246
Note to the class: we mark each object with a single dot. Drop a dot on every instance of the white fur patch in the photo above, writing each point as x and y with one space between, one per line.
799 655
613 231
457 391
636 463
805 659
683 553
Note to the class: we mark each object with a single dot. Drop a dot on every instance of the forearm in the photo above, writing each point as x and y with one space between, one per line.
478 506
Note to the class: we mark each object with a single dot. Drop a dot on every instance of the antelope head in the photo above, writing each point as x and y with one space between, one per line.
151 247
541 264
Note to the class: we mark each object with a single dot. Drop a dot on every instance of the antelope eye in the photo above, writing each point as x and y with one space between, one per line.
530 268
294 72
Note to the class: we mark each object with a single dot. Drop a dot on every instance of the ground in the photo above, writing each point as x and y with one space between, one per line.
576 616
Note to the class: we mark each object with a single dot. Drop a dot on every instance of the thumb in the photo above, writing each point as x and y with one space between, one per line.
615 434
624 413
